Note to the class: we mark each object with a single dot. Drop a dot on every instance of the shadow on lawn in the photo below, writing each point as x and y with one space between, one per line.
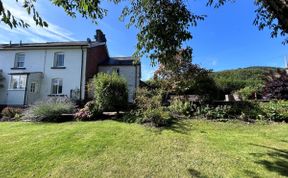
178 126
278 161
195 173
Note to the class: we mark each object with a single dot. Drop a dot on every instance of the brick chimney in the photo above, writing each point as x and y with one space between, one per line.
100 36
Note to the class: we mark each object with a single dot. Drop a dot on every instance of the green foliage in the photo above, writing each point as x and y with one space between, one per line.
149 108
88 112
110 92
239 110
181 108
164 26
250 91
186 78
218 112
11 112
157 117
50 110
272 15
230 81
146 99
12 21
275 110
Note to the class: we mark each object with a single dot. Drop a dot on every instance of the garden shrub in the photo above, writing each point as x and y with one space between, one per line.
157 117
250 91
239 110
214 112
275 110
50 110
180 108
110 92
149 109
88 112
11 113
146 99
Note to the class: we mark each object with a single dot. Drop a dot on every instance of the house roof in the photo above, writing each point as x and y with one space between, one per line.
119 61
49 45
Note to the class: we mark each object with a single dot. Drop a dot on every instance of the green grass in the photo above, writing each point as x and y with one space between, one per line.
112 149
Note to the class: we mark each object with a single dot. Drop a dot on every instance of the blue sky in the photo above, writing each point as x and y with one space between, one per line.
227 38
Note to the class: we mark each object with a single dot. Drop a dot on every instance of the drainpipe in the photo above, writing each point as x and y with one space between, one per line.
81 82
26 89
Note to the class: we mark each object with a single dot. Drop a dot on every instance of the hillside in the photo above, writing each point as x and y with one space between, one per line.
232 80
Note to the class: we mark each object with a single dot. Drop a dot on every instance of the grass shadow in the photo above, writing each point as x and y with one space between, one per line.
178 126
279 157
194 173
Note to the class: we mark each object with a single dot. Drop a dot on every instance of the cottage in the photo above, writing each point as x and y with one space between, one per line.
34 71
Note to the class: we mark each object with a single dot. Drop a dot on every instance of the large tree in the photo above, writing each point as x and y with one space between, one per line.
163 24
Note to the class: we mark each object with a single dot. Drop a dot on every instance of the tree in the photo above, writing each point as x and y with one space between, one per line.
276 86
185 78
163 24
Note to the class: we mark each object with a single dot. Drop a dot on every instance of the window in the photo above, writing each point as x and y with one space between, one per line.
57 85
59 60
19 60
33 87
18 81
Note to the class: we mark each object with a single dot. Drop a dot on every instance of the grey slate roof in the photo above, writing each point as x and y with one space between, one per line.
48 44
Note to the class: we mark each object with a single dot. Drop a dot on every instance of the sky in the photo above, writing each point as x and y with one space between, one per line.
226 39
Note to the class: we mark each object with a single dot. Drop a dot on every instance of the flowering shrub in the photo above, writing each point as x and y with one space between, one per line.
10 113
89 112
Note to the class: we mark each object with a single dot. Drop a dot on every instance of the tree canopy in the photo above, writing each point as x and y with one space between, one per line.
163 24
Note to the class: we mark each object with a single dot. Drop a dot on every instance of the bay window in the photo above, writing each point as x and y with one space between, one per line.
18 81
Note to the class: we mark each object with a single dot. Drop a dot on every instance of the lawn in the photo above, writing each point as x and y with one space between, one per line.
112 149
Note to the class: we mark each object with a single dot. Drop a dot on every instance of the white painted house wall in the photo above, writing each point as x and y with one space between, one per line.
130 72
41 60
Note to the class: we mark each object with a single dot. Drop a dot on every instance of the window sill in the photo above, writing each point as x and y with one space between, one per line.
18 68
57 95
58 67
18 89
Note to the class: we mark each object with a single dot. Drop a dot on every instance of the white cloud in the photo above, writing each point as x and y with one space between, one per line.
33 33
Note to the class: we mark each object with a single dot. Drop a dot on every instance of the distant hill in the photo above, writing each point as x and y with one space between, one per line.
232 80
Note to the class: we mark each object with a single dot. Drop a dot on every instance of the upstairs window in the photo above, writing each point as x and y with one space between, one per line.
19 60
58 60
18 81
57 86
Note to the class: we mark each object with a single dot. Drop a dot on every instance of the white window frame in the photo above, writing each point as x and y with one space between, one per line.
33 87
21 82
19 59
58 82
56 62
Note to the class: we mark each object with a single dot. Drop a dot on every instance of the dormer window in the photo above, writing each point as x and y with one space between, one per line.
19 60
59 59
